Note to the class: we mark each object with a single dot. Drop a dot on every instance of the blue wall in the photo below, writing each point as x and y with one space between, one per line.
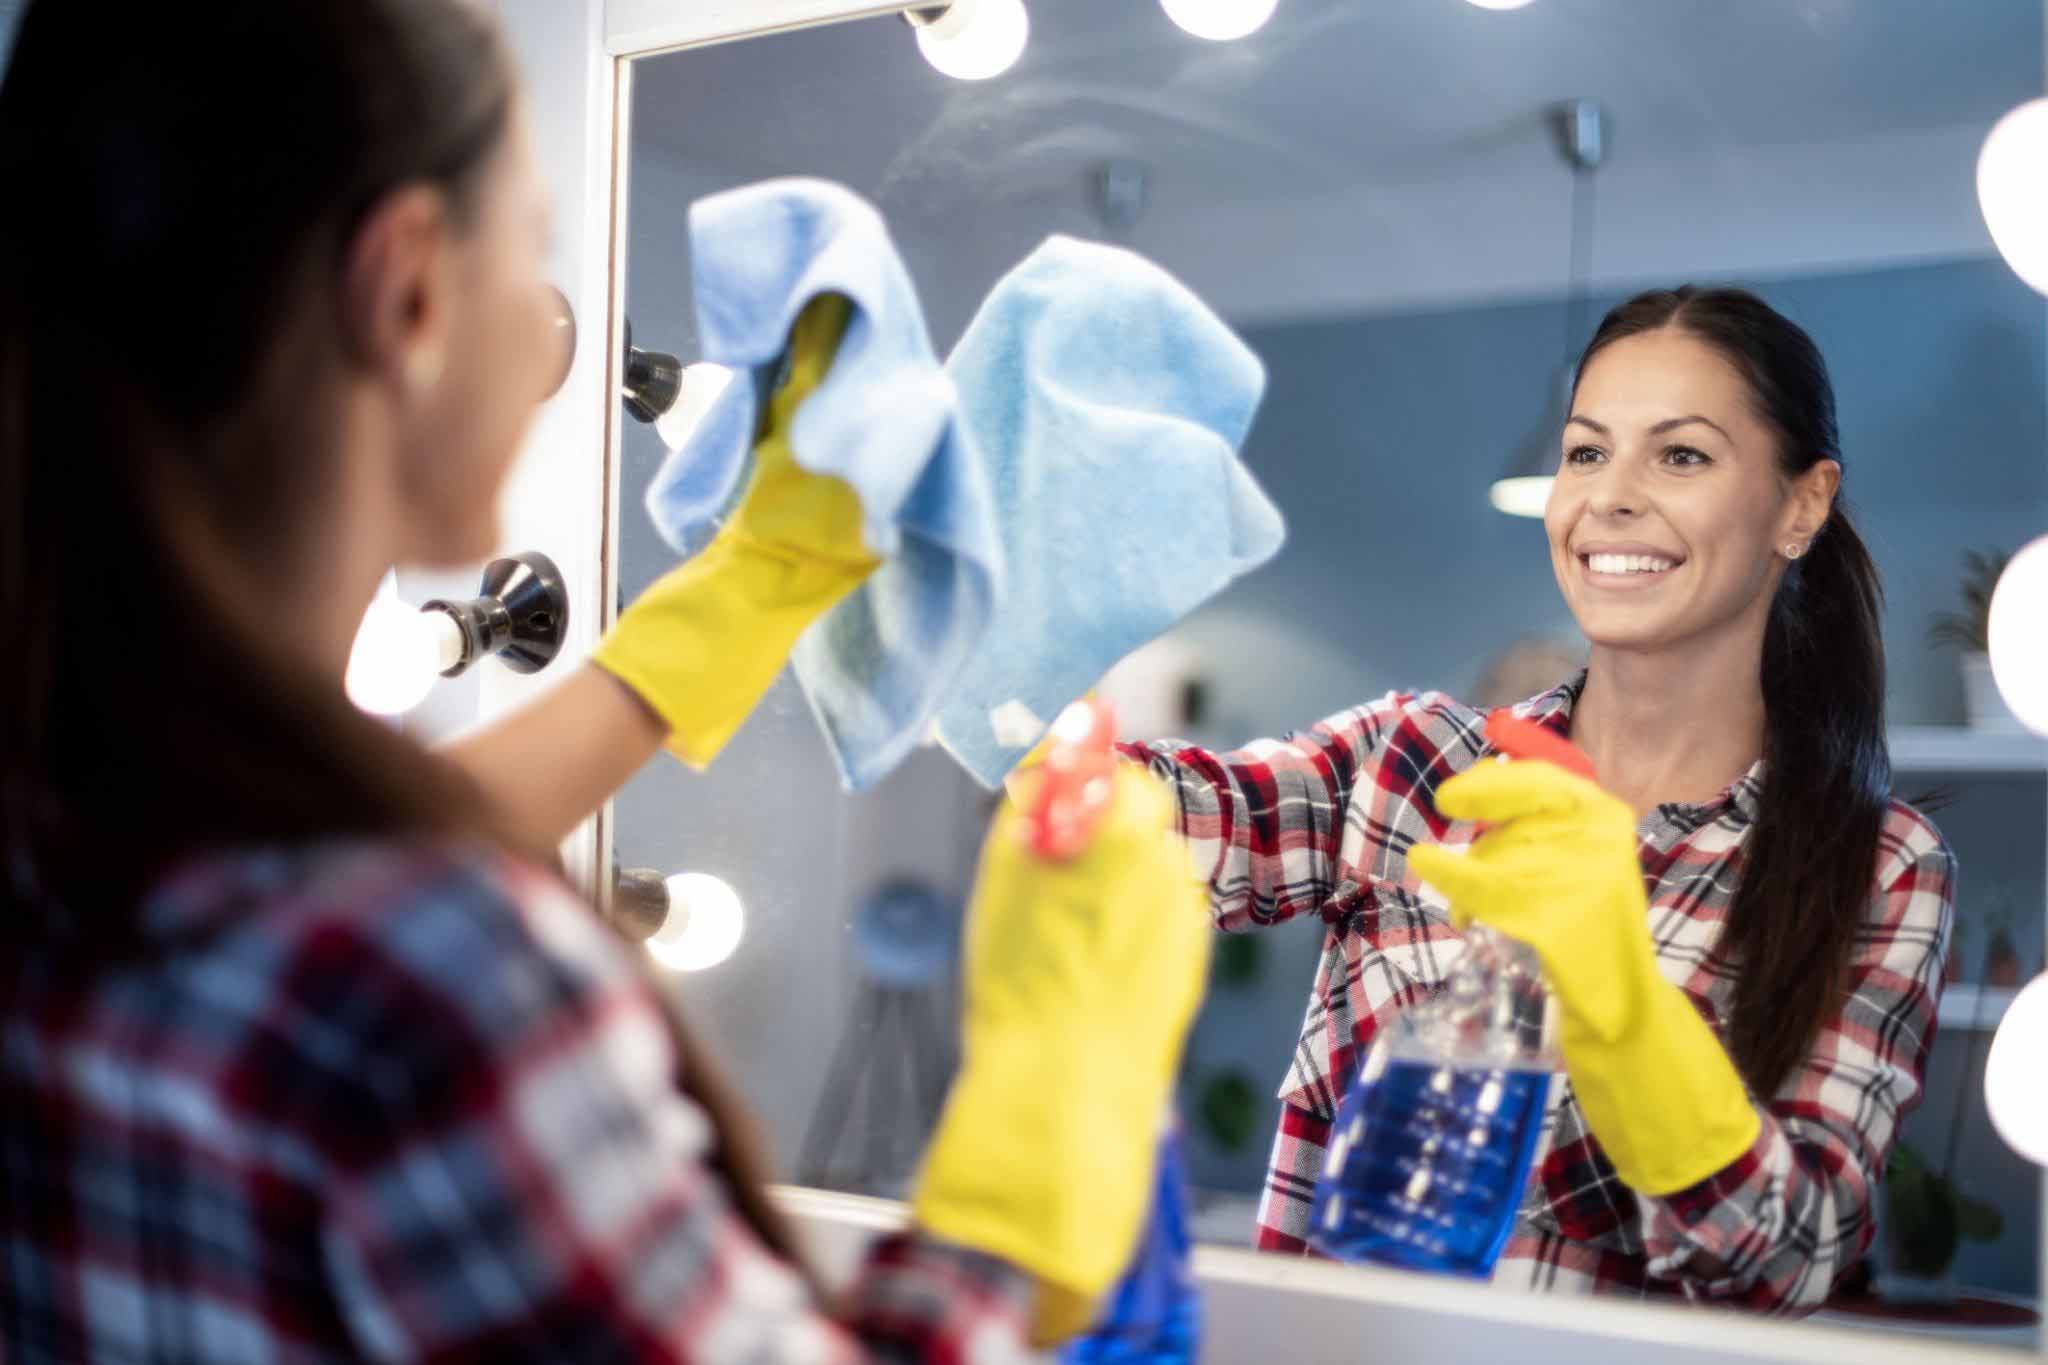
1380 436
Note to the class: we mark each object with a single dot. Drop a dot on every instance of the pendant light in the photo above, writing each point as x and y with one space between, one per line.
1582 128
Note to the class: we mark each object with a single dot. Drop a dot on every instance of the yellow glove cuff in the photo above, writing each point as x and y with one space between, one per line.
1665 1101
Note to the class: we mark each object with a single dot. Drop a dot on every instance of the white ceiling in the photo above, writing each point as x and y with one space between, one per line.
1359 92
1769 135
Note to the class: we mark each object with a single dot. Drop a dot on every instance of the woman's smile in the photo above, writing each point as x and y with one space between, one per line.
1625 566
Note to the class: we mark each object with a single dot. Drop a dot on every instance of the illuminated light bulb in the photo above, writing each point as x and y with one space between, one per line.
2013 1092
1499 4
705 923
2012 190
2017 633
1525 496
703 385
399 651
976 39
1220 21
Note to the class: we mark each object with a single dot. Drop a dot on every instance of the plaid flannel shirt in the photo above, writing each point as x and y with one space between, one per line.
1322 822
400 1103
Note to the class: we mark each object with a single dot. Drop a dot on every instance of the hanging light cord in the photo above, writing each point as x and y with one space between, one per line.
1583 221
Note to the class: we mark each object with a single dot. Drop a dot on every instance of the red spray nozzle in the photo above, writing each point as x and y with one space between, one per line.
1077 781
1518 737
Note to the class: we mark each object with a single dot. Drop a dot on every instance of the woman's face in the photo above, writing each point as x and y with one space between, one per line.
1669 517
500 355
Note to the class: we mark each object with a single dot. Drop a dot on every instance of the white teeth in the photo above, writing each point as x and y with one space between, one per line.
1629 564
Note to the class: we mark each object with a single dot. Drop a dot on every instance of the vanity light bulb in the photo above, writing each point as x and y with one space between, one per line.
2013 1092
705 923
703 385
1499 4
2012 190
1220 21
2017 633
396 657
976 39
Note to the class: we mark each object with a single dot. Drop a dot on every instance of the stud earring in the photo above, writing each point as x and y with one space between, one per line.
1794 549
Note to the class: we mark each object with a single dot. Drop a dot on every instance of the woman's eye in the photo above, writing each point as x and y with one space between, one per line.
1686 456
1582 455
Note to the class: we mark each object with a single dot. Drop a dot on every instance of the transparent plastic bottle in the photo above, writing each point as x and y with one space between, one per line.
1154 1315
1430 1151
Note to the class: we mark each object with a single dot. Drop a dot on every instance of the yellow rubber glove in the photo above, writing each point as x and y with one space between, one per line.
1081 980
703 644
1559 871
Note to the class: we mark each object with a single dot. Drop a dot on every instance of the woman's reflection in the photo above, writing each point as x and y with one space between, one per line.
1734 704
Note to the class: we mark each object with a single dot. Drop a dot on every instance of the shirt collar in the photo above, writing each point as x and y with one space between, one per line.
1553 709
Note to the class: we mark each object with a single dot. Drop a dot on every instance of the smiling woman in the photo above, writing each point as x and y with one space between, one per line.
1734 705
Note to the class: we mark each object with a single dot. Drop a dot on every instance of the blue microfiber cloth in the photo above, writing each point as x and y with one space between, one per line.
1108 404
882 420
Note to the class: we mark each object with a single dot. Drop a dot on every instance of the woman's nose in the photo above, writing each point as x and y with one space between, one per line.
1615 492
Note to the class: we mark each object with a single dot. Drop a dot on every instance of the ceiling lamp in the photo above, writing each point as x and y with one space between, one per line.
1523 489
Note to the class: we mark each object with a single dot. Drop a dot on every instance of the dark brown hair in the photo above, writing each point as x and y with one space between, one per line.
1810 859
185 185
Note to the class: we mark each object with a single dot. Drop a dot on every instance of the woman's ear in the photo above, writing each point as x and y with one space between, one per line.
1812 501
395 289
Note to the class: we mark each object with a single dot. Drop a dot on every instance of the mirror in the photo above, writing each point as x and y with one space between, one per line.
1378 199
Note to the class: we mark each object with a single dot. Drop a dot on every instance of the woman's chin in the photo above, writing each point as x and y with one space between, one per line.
1614 630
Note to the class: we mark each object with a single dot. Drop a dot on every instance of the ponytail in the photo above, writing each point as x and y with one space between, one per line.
1810 858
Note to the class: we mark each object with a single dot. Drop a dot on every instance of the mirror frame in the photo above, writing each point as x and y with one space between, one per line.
583 118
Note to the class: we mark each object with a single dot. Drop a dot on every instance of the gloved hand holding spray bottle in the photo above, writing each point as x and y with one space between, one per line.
1154 1313
1430 1151
1087 948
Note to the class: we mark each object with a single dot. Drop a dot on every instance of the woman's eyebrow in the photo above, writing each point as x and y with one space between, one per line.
1672 423
1668 424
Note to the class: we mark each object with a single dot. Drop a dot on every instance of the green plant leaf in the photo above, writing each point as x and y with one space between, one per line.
1968 628
1921 1215
1978 1221
1228 1110
1238 959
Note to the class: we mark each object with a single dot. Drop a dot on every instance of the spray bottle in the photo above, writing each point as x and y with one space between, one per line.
1430 1151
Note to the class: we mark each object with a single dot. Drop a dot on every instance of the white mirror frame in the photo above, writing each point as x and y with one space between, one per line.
563 499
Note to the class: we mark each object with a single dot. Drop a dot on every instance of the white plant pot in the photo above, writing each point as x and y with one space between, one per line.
1985 709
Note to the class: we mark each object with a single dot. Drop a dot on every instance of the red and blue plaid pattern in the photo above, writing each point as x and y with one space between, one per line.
399 1103
1322 823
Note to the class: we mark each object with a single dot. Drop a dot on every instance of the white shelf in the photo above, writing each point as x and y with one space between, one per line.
1975 1007
1959 749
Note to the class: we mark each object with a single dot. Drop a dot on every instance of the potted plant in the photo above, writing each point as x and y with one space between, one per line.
1926 1220
1991 917
1968 630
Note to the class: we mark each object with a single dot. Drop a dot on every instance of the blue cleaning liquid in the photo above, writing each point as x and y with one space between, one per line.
1154 1317
1427 1164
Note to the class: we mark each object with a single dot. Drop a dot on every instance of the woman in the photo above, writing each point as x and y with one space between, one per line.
1733 707
301 1056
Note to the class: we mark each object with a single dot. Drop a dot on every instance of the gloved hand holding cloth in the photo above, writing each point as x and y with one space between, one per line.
1559 871
703 644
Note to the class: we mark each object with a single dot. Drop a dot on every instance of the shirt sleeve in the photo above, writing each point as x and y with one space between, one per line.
1776 1227
1267 821
512 1173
